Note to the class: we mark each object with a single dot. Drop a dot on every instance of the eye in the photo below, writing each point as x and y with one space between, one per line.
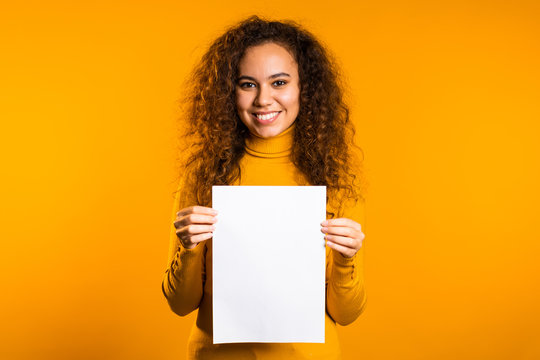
280 82
247 85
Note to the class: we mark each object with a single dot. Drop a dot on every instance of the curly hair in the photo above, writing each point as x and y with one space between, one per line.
216 135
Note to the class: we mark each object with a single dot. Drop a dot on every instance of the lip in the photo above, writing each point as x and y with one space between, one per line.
268 121
265 112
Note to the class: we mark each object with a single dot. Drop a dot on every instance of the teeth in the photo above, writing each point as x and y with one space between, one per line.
267 116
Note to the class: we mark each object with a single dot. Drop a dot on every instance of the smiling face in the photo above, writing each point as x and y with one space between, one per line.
267 90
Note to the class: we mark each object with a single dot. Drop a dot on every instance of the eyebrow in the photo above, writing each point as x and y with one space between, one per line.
270 77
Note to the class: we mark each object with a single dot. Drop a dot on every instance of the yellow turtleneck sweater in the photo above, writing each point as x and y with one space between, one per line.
187 283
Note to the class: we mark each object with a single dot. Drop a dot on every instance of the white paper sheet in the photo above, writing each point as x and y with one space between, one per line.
268 258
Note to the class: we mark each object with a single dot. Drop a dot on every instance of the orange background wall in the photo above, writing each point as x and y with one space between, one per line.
446 100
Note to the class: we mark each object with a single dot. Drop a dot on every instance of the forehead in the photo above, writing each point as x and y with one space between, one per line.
267 59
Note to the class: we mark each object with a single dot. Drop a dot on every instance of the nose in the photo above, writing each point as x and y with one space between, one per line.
264 97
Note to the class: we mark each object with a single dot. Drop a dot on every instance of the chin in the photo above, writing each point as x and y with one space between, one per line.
269 132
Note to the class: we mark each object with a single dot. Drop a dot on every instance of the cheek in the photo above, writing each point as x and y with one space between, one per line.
243 101
291 99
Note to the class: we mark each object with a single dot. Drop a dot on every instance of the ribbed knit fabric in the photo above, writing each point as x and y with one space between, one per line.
187 283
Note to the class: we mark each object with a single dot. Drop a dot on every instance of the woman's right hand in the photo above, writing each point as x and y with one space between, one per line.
195 224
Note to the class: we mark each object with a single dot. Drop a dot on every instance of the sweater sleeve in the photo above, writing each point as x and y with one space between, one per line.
184 278
345 293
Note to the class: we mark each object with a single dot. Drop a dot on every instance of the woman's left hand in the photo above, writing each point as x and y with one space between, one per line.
343 235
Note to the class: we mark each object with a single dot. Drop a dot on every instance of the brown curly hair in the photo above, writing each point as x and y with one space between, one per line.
214 136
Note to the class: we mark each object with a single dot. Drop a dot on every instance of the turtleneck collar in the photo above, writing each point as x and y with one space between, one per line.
273 147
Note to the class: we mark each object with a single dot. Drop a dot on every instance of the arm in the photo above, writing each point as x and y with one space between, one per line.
184 278
345 293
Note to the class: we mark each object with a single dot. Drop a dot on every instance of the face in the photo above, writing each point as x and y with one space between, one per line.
267 90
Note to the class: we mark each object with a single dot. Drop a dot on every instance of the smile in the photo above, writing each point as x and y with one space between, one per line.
266 118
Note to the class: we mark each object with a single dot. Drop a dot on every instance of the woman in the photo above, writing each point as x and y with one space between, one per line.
265 108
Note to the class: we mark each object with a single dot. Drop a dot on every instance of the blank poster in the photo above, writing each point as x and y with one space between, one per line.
269 264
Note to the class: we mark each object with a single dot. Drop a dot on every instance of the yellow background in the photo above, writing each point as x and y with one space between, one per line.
445 95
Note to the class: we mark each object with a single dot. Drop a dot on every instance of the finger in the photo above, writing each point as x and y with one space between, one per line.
201 237
197 209
189 241
341 230
347 252
191 230
342 222
194 219
343 241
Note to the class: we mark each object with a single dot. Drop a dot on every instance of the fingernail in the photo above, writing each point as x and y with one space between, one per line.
324 223
214 211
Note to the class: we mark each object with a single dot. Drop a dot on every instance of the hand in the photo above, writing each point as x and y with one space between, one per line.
343 235
195 224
